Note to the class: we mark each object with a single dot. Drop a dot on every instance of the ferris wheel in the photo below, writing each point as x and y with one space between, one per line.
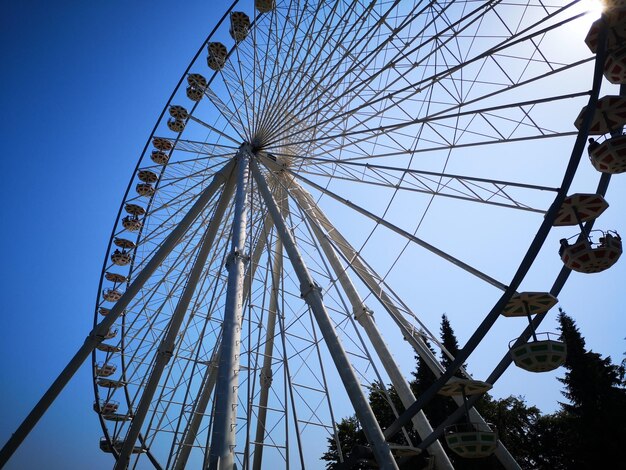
326 179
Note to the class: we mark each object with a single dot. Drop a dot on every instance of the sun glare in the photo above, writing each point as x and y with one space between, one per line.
595 7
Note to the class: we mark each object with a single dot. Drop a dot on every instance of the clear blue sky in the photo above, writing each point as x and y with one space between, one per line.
82 86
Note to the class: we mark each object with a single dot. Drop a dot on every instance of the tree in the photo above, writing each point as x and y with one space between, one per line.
423 377
596 412
516 424
448 340
350 435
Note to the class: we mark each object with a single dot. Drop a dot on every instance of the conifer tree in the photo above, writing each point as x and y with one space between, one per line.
449 341
596 412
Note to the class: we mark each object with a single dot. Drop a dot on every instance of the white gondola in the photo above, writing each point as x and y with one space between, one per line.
105 370
105 311
121 258
144 189
159 157
115 277
469 440
134 209
110 383
585 256
117 417
108 348
265 6
217 55
197 85
106 406
580 207
608 156
162 144
609 115
178 112
147 176
124 243
176 125
544 353
106 446
132 224
615 66
239 25
111 295
614 18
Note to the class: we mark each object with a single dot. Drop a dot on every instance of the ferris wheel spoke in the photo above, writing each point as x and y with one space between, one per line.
167 345
394 306
438 115
395 97
347 50
462 190
364 316
486 114
233 119
311 62
345 39
470 269
367 80
312 296
386 169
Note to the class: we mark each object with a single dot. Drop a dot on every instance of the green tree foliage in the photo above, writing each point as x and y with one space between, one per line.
587 433
595 417
423 377
350 435
448 340
515 422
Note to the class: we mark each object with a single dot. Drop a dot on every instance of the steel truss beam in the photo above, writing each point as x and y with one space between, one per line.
311 293
364 317
166 348
222 450
377 289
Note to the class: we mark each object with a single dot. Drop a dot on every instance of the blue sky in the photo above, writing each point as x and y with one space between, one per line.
83 84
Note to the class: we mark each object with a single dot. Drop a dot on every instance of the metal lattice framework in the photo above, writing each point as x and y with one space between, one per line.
328 151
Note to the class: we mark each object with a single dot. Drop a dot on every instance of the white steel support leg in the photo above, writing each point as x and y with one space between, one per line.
202 401
266 369
166 348
96 336
206 390
312 295
364 316
408 331
222 449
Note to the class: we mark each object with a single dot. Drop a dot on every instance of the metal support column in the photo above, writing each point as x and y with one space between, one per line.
222 451
202 401
407 330
364 317
206 389
266 369
96 336
312 295
166 348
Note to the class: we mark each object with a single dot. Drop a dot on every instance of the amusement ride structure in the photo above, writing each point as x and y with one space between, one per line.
324 175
